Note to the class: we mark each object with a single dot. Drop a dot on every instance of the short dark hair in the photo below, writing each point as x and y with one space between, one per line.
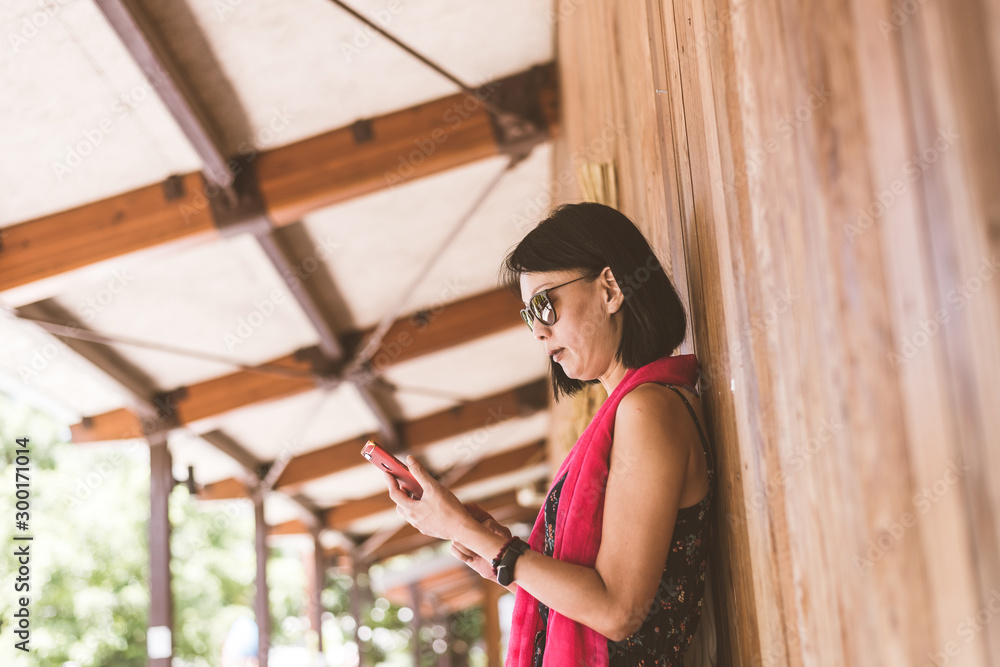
590 236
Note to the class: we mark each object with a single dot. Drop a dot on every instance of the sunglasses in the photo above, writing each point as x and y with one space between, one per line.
540 307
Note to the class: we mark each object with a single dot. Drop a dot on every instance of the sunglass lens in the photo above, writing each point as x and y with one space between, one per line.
526 316
541 307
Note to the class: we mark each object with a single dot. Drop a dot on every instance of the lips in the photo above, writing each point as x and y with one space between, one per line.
557 354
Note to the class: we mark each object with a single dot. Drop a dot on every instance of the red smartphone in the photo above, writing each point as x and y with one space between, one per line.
383 460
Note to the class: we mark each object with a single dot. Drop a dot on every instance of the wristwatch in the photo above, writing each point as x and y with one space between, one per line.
505 570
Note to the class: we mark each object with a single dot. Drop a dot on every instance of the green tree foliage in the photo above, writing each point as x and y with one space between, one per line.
89 596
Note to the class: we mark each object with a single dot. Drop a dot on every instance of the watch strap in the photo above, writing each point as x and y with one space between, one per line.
505 570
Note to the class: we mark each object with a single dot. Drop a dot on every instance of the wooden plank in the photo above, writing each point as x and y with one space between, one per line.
61 246
293 527
519 402
785 174
203 399
418 434
409 539
442 326
294 180
469 597
226 488
408 144
340 517
458 322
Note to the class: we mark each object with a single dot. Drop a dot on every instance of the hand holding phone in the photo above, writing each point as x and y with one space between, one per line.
385 461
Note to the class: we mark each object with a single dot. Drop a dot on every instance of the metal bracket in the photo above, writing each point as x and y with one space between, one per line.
248 214
192 487
173 187
319 364
165 404
362 131
524 126
421 318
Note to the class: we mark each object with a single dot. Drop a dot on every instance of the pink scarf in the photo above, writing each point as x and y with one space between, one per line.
579 524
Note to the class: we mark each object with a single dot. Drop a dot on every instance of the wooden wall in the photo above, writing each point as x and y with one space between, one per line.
824 180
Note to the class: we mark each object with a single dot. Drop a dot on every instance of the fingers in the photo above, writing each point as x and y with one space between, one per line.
396 492
390 481
459 554
498 528
418 471
464 549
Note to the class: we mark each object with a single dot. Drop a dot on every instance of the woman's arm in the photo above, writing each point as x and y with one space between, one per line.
573 590
649 461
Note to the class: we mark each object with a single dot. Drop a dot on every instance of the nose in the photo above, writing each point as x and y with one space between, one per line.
540 331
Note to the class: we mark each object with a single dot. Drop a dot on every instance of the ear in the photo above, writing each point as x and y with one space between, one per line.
613 297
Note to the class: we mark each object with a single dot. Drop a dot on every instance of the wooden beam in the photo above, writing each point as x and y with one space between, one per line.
244 457
149 52
59 246
203 399
503 506
224 489
443 326
293 180
441 584
293 527
521 401
341 516
420 433
404 145
457 322
463 600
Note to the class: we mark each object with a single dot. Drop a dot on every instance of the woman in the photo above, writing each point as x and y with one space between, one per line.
613 571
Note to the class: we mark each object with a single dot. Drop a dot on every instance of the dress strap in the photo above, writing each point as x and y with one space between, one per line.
701 433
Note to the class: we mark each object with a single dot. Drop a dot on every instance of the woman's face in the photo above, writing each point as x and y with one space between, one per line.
588 320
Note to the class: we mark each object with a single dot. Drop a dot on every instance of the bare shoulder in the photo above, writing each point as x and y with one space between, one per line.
657 400
657 410
655 435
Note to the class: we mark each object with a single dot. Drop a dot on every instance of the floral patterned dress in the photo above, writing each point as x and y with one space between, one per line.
668 628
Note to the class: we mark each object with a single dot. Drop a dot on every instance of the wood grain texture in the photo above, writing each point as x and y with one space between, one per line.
821 181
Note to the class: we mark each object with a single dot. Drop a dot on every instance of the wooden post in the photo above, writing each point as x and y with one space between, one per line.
318 584
159 635
357 595
441 616
263 611
491 621
417 621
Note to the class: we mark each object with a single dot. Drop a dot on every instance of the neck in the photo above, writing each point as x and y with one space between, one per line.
613 376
